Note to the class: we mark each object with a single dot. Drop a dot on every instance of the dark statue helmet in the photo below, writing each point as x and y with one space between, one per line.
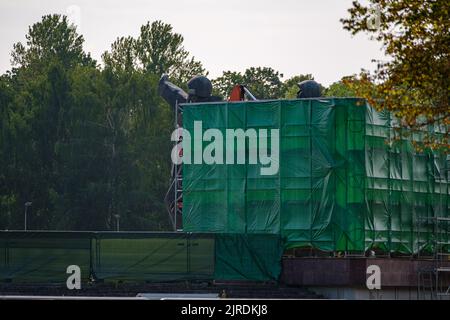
308 89
200 86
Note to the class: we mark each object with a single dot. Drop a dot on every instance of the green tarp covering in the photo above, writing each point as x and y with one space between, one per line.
248 257
43 257
341 186
154 256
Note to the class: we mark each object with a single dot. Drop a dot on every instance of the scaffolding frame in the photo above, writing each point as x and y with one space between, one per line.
434 281
442 270
174 196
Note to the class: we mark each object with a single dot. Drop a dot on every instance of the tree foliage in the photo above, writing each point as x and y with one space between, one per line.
222 85
415 83
53 38
340 88
263 82
291 85
157 50
85 143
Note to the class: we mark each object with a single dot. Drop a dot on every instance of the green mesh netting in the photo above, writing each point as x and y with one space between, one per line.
156 257
43 257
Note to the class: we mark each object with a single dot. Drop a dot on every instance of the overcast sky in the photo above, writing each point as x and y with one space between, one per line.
291 36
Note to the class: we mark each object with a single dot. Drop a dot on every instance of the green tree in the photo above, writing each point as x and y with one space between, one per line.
263 82
291 87
85 143
339 89
53 38
223 85
123 56
37 118
137 149
79 142
414 84
157 50
8 130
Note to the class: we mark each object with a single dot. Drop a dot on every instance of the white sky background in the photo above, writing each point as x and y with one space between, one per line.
291 36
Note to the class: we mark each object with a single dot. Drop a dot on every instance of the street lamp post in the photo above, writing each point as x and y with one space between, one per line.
117 216
27 204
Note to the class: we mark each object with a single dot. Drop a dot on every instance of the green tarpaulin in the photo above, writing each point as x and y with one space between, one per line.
341 186
248 257
43 257
153 256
